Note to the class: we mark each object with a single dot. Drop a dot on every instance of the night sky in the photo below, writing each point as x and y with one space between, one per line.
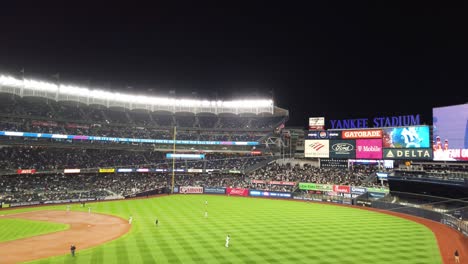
323 59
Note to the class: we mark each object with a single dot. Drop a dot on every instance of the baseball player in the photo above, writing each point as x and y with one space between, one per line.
228 238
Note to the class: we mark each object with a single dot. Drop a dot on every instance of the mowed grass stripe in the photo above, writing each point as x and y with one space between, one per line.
12 229
262 231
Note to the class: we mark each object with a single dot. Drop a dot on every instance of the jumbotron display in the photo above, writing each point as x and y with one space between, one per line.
450 133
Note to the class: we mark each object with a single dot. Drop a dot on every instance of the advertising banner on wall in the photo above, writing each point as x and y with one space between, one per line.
408 154
315 186
107 170
341 188
215 190
270 194
406 137
362 133
358 190
334 163
450 133
316 148
28 171
369 148
316 123
342 149
237 191
190 189
322 134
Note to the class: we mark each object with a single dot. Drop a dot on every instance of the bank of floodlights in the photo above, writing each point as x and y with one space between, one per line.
63 89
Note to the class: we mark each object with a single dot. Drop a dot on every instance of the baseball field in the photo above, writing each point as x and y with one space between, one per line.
261 231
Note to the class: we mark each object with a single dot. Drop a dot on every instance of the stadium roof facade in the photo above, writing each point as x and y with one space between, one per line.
62 92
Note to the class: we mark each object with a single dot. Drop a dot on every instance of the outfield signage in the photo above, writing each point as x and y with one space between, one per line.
190 189
334 163
261 193
406 137
215 190
130 140
237 191
377 190
316 123
71 170
28 171
195 170
316 148
322 134
124 170
408 154
315 186
110 170
184 156
274 182
387 121
369 149
363 133
358 190
343 149
341 188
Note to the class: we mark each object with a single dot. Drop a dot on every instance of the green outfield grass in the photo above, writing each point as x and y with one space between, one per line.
12 229
262 231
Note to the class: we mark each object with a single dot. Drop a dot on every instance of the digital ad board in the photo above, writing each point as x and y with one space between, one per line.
323 134
316 148
369 148
406 137
334 163
342 149
450 133
408 154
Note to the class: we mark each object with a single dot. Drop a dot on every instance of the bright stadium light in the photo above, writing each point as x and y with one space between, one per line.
10 81
73 90
40 86
107 96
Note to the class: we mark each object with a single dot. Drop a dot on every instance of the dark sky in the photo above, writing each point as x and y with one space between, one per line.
338 60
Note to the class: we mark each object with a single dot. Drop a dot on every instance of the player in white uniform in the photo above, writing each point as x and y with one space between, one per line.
130 220
227 241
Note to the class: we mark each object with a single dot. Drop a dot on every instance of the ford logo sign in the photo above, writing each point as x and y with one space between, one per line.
342 147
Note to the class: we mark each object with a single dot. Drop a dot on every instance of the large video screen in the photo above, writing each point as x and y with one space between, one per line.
450 133
406 137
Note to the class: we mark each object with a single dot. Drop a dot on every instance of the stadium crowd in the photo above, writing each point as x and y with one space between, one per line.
220 170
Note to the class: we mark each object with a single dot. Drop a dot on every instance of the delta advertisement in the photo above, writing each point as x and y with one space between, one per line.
190 189
406 137
408 154
316 148
343 149
369 149
215 190
260 193
450 133
237 191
